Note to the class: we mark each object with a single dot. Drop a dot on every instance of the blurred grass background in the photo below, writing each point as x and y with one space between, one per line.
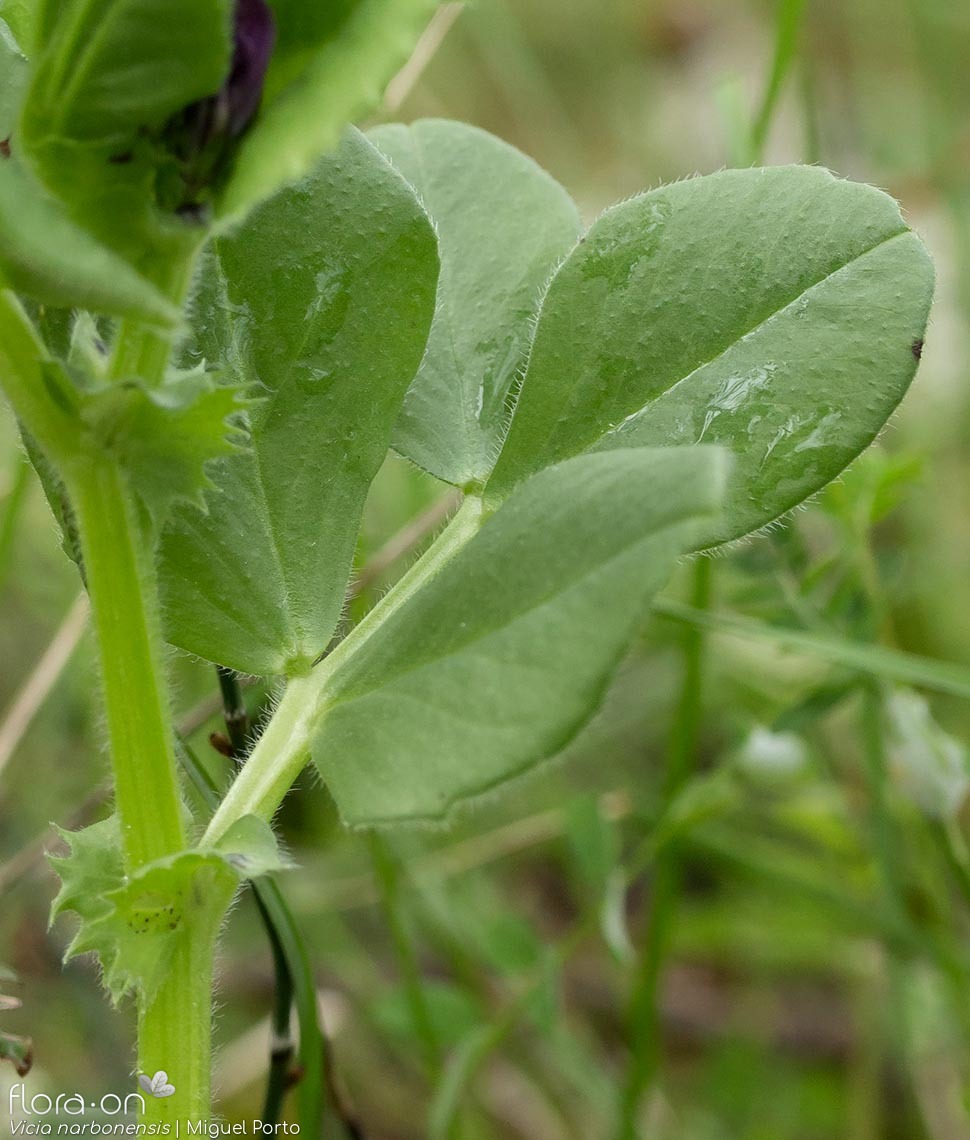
817 984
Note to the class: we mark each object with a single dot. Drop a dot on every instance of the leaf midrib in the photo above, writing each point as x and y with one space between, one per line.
545 600
540 448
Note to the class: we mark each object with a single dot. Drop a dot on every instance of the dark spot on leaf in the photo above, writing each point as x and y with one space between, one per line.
917 348
121 159
5 147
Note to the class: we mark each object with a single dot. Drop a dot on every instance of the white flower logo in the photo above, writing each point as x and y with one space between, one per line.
157 1085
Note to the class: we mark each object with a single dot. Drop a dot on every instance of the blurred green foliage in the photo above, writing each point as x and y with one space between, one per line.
817 978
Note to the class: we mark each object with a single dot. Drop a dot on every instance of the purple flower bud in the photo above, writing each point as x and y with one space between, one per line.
253 40
201 136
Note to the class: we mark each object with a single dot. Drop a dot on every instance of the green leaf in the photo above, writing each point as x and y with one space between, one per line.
779 312
14 72
31 21
45 256
111 74
134 923
18 18
330 66
453 1012
332 287
503 227
870 660
145 918
251 848
165 437
114 67
499 660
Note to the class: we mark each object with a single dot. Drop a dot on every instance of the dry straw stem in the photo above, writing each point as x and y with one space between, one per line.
37 688
403 542
431 39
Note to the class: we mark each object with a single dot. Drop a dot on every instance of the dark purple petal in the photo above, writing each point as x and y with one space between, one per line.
254 39
203 136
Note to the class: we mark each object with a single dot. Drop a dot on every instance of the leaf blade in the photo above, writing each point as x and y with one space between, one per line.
274 549
115 66
503 226
506 652
671 283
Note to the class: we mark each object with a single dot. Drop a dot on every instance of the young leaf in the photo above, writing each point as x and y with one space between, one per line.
251 848
332 287
498 661
165 437
109 77
46 257
133 923
503 226
43 254
779 312
330 65
114 67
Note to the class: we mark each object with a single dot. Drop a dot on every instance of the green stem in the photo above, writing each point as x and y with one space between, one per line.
236 718
644 1021
174 1024
121 585
234 712
175 1028
884 839
285 935
786 46
313 1055
388 873
282 751
281 1046
877 661
142 351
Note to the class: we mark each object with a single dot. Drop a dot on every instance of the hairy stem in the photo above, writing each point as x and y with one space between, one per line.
174 1024
314 1060
121 586
142 351
175 1028
282 751
237 723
